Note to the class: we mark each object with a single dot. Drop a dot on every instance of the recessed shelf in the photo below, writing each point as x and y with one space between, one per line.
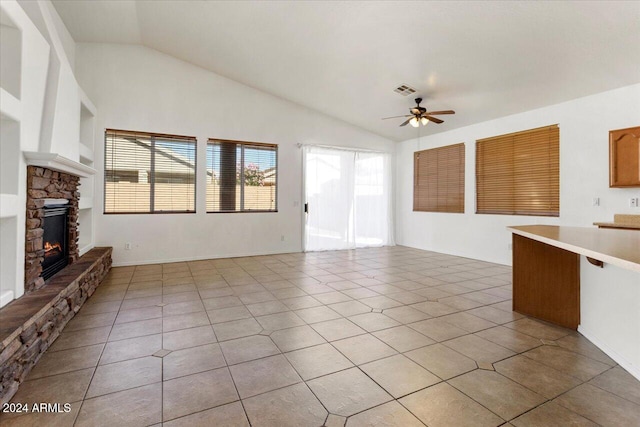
86 155
87 125
10 106
85 203
85 229
8 205
11 53
86 150
9 156
5 298
9 270
86 103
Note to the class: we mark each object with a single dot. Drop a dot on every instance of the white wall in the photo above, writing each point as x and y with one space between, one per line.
136 88
609 314
61 124
584 174
35 11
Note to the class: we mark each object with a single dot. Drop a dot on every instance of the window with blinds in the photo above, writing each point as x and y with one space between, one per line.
519 173
241 176
438 179
149 173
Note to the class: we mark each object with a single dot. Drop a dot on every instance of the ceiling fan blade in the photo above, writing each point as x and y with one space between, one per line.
407 121
441 112
432 119
395 117
415 110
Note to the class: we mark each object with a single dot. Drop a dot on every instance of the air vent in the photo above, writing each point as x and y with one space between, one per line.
404 90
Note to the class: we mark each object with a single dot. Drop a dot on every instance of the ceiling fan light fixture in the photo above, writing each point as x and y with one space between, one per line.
420 116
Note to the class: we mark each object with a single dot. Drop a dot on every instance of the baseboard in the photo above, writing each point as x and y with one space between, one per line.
620 360
205 257
474 257
198 258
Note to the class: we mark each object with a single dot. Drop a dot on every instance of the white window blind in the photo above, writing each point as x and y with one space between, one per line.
241 176
149 173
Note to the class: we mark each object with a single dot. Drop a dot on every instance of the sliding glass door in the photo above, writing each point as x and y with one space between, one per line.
348 196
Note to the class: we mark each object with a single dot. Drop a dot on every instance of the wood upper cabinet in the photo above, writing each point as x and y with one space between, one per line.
624 157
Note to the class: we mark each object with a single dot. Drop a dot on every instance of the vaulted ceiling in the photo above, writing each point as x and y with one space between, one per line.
484 59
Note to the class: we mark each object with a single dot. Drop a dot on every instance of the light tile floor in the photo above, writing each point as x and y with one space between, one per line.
372 337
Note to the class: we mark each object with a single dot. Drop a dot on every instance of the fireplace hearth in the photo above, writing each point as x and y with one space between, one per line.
55 237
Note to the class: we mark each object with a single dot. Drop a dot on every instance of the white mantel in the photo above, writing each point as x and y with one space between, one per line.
58 163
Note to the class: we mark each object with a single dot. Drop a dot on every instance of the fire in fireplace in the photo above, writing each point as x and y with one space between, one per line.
56 251
52 249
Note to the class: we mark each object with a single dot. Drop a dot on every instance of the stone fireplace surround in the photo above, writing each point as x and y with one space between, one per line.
30 324
42 184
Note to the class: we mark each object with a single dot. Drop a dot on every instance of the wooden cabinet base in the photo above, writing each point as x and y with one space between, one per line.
546 282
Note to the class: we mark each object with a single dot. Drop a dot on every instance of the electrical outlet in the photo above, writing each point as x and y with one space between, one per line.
633 202
596 201
127 246
282 238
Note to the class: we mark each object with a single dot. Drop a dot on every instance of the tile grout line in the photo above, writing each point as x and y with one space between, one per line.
302 288
104 346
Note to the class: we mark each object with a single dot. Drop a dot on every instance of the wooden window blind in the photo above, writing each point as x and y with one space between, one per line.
149 173
241 176
519 173
438 180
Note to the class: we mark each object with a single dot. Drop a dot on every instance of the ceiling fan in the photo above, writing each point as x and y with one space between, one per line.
419 115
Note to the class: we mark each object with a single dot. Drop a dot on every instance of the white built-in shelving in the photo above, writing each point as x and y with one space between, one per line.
86 146
85 224
9 267
11 53
35 102
11 39
9 106
86 155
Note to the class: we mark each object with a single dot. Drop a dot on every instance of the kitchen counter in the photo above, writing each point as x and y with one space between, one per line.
617 225
617 247
625 221
557 278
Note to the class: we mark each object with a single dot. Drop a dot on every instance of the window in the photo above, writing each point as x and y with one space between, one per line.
241 176
149 173
519 173
438 179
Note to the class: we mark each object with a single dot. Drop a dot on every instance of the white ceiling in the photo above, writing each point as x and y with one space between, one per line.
483 59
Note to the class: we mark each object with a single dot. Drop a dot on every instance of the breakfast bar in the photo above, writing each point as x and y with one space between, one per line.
582 278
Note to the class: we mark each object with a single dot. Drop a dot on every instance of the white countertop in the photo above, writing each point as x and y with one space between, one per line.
612 246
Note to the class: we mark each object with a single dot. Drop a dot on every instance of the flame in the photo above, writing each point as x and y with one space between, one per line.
49 248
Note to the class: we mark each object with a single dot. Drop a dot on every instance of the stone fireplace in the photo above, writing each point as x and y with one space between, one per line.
49 194
30 324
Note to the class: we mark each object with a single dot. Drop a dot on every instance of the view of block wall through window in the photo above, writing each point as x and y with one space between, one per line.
241 176
149 173
438 179
519 173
